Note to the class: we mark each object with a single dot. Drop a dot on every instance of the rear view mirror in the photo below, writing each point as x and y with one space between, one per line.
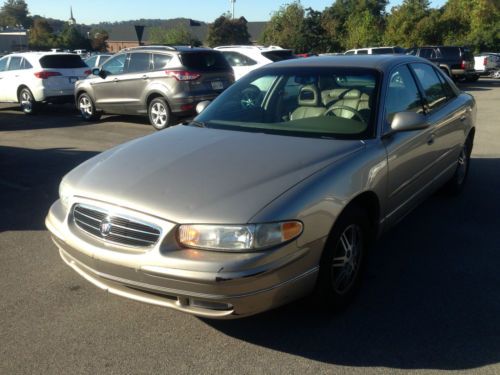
200 107
407 121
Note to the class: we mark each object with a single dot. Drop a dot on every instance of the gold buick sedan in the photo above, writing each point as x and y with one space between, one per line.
274 191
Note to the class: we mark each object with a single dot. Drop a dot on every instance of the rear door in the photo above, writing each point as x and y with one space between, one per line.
133 83
446 114
11 78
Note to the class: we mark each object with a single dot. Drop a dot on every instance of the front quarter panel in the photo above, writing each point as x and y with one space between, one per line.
319 200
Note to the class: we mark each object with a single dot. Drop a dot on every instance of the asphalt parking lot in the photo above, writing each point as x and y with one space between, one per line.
430 300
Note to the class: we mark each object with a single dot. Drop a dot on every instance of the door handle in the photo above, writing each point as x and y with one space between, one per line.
431 138
115 80
145 77
463 118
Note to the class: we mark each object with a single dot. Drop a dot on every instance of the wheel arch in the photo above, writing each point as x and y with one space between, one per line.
369 202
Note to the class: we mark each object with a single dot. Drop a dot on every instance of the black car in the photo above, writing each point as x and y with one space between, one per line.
457 62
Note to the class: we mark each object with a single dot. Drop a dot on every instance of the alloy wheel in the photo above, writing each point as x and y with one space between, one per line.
347 259
86 108
159 115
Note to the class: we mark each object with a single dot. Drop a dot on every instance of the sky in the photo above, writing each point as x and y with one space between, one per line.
94 11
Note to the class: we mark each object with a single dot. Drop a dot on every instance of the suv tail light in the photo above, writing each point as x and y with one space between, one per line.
45 74
182 75
485 61
465 64
87 72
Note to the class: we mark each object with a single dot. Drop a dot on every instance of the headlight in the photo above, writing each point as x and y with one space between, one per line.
238 237
64 194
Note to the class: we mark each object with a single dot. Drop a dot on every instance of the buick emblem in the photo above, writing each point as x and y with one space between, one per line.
105 226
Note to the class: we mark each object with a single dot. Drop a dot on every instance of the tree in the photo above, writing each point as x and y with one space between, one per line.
41 35
71 38
225 31
363 30
179 35
315 36
402 23
98 38
14 13
286 28
341 19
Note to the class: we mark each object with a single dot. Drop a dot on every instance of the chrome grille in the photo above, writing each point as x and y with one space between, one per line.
115 227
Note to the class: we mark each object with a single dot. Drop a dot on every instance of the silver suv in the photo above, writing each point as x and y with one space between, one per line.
162 82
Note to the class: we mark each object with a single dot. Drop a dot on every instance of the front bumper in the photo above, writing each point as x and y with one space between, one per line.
175 279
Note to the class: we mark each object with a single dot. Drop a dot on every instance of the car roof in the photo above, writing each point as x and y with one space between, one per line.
165 48
41 54
378 62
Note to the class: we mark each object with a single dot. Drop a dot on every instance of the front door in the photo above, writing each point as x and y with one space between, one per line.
108 91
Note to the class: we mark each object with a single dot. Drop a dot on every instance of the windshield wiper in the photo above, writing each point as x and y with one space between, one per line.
198 124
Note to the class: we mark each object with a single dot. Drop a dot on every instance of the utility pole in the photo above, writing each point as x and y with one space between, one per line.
232 4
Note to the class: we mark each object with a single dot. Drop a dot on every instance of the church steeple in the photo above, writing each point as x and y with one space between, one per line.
71 20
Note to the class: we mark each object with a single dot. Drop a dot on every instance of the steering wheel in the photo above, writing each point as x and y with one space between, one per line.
250 97
334 107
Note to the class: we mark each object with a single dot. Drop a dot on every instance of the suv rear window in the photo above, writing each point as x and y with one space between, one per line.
450 52
205 61
381 51
278 55
62 62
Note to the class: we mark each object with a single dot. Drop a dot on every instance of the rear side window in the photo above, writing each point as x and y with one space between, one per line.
363 52
427 53
91 62
139 62
62 62
450 53
160 61
434 90
279 55
381 51
205 61
3 64
237 59
25 64
15 63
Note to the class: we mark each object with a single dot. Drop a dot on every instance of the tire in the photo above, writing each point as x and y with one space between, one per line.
456 184
27 102
473 78
87 108
159 114
342 260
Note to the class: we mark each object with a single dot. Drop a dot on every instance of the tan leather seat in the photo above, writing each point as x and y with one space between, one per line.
309 104
354 99
332 95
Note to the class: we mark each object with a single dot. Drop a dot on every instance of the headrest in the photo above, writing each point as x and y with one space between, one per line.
352 94
309 96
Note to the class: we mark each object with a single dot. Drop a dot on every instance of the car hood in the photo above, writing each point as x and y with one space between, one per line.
198 175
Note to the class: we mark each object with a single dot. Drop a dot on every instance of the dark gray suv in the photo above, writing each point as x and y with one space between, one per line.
162 82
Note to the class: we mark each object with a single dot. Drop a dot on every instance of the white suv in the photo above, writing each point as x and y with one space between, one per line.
244 59
32 78
375 51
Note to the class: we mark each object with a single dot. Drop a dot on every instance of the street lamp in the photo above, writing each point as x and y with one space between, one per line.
232 4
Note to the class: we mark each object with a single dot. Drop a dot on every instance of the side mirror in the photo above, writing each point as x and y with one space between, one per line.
200 107
99 72
407 121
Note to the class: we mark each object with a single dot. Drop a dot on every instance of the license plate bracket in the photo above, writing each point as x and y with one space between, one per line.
217 85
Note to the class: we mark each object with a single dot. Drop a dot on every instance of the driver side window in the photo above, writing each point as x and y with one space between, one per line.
402 94
115 65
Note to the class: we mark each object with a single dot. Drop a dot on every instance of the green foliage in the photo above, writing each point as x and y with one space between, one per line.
71 38
286 28
98 38
226 31
41 35
178 35
14 13
363 29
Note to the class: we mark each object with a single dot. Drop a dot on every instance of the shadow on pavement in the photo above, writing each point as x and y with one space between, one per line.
483 84
430 298
29 181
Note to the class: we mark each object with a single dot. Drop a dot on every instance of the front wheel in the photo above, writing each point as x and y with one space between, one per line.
159 114
342 260
27 101
87 108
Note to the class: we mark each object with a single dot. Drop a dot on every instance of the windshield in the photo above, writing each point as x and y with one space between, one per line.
301 101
